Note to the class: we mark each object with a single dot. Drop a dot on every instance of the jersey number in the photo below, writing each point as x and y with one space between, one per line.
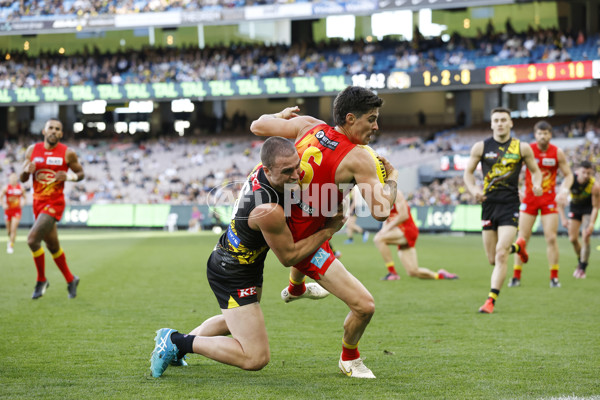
309 173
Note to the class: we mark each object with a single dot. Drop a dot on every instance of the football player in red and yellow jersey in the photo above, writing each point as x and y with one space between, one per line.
13 198
550 160
49 162
332 162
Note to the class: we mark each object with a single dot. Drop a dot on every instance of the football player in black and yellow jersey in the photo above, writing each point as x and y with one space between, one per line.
583 212
501 158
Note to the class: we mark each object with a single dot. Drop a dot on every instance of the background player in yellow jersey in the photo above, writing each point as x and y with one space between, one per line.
583 211
550 160
501 158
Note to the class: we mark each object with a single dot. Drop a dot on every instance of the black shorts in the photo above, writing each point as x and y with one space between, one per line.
494 215
577 213
234 285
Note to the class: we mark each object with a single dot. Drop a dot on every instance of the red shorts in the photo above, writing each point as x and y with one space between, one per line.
543 204
53 208
11 213
317 263
411 233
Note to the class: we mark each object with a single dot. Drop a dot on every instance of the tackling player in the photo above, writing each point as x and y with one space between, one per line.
331 164
400 230
13 198
550 160
49 163
235 268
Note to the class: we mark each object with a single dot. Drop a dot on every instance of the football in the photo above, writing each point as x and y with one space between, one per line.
381 174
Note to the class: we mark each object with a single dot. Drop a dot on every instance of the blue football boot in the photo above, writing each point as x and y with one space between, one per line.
164 352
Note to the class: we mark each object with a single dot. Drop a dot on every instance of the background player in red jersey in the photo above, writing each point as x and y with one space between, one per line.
331 160
550 159
49 163
13 198
400 230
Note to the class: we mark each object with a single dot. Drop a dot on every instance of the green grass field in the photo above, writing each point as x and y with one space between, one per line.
426 339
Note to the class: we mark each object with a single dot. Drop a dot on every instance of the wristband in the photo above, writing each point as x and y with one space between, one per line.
72 176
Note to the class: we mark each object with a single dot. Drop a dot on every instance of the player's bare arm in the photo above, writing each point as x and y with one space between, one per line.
285 123
28 166
402 215
358 166
594 215
536 173
564 221
469 174
562 195
76 174
391 181
270 220
401 208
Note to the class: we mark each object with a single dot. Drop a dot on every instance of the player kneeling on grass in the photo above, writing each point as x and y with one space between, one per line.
235 268
400 230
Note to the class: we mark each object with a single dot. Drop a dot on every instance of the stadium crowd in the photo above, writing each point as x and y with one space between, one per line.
153 64
29 9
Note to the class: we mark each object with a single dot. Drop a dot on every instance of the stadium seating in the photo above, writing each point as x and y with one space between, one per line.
332 58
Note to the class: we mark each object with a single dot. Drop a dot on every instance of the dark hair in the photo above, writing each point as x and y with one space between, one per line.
542 126
500 110
586 165
275 147
356 100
